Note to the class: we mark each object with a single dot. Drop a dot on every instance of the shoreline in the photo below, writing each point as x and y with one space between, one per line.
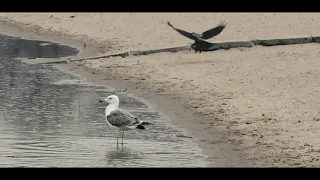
248 107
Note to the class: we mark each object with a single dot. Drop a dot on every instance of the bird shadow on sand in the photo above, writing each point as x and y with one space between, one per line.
199 62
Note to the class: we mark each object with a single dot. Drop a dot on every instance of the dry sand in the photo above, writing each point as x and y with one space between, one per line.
264 99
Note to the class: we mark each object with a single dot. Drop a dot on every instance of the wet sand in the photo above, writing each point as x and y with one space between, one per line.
258 105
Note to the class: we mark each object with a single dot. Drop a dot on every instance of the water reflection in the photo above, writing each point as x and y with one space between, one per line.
121 153
52 119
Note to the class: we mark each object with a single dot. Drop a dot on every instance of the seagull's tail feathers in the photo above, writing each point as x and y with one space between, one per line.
136 126
146 123
140 127
140 122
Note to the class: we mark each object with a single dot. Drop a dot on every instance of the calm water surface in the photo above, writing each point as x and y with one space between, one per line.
52 119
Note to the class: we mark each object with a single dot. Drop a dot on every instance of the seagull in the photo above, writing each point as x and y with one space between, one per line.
119 118
200 44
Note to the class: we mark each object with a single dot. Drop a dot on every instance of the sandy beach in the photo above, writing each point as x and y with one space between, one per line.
262 101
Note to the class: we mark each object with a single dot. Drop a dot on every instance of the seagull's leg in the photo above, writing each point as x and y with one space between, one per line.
117 142
122 136
118 136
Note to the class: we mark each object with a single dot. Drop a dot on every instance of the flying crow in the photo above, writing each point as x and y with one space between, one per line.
200 44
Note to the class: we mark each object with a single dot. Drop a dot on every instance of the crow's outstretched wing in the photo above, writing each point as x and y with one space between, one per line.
184 33
214 31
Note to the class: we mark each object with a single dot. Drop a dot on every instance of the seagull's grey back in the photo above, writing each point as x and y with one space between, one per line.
121 118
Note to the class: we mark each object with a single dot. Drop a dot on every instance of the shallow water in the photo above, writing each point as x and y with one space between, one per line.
52 119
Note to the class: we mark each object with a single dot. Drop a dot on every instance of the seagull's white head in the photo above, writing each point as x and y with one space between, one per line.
112 99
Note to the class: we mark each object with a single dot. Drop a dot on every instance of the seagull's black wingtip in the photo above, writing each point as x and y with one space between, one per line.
146 123
140 127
